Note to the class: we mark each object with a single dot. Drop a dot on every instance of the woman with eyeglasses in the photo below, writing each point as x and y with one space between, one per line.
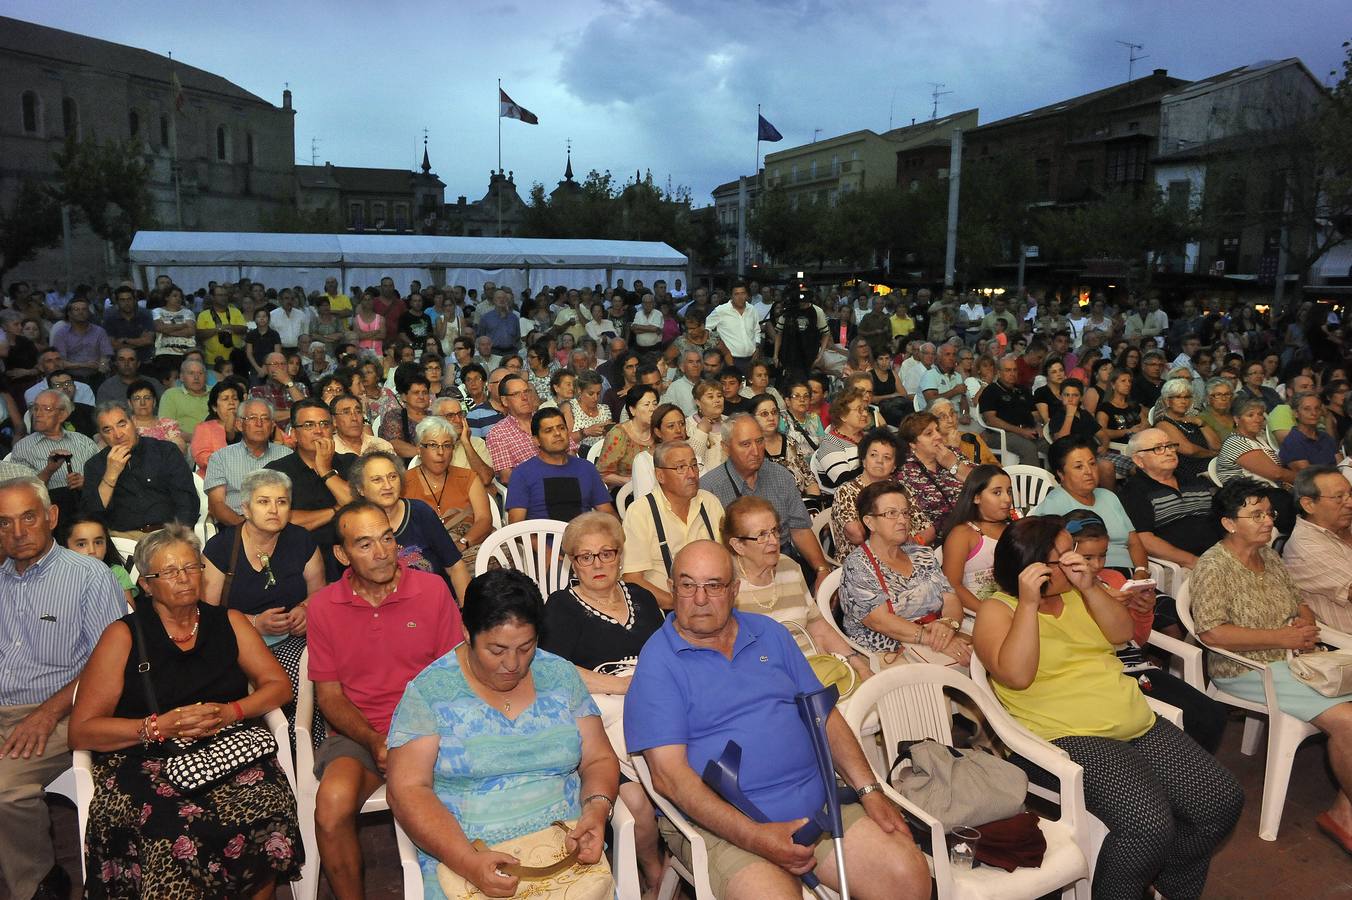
798 421
1197 443
780 449
455 493
1217 412
145 837
1244 601
878 452
599 623
591 417
893 595
142 399
266 567
771 584
837 458
1046 639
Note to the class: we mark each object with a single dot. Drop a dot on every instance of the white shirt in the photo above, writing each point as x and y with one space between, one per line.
290 326
739 331
912 370
654 318
972 312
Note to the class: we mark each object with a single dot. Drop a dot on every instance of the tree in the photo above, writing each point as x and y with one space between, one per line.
1124 225
34 222
108 184
788 233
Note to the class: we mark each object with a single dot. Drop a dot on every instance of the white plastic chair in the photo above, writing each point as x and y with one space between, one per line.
126 547
831 584
1212 473
1285 732
1030 485
534 547
204 527
821 528
910 704
623 497
1168 574
1007 456
594 453
307 786
414 462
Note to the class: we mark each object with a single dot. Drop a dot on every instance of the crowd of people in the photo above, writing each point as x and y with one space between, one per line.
716 458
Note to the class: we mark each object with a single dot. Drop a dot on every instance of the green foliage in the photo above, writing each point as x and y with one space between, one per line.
1124 225
34 222
291 220
107 183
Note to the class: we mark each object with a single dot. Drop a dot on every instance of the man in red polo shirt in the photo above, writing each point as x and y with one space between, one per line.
369 634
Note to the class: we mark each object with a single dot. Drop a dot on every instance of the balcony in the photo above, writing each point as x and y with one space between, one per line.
824 173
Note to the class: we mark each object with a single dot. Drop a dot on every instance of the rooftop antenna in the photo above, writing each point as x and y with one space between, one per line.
1132 57
890 107
314 151
815 132
935 94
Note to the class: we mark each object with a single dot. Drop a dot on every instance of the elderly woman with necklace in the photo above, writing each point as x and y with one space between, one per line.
837 457
803 426
933 473
455 493
778 448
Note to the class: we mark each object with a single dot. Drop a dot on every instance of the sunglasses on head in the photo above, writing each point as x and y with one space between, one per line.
1075 526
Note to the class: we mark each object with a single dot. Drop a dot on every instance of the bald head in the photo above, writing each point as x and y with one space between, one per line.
1147 450
702 560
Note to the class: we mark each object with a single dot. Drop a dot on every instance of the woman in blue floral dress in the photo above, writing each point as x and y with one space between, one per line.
496 740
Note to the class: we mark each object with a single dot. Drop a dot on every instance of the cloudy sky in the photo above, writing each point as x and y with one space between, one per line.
671 86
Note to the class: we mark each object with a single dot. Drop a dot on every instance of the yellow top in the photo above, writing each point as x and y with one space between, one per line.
213 348
341 305
1079 688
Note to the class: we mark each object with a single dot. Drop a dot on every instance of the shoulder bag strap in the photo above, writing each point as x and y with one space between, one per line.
234 561
728 471
661 533
143 664
877 571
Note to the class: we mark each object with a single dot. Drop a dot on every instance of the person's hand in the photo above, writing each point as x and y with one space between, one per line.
1077 571
57 459
859 662
29 737
273 621
773 841
883 812
1030 433
379 752
323 454
936 636
191 722
1032 579
1300 636
481 869
297 620
589 837
118 457
75 481
960 648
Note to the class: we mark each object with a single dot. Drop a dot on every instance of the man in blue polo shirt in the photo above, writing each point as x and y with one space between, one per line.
711 675
554 484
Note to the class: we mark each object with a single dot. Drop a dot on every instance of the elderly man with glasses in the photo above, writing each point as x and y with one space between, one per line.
510 442
227 466
318 471
1170 513
1318 554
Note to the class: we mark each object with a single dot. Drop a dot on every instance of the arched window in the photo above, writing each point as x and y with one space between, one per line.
134 123
164 132
32 108
249 148
222 145
70 117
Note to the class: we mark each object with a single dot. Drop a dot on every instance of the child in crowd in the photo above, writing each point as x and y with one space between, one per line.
88 535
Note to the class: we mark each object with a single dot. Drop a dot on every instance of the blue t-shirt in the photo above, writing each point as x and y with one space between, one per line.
1108 508
682 694
1322 451
500 777
563 492
424 543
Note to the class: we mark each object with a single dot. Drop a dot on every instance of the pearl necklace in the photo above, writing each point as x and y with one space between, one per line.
190 635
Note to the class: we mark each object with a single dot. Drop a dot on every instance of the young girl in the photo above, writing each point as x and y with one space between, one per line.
983 511
88 534
1203 718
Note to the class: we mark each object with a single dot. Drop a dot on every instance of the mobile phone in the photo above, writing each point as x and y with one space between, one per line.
1139 584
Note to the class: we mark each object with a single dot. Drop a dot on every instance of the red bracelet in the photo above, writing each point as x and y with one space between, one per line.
239 713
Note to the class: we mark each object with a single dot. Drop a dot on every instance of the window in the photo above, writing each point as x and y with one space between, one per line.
31 112
164 132
354 214
835 165
812 169
1180 193
249 149
70 117
854 155
793 173
222 143
1126 164
401 215
134 123
1084 172
378 214
1042 179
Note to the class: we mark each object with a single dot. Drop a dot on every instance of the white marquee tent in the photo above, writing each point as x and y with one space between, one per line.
193 258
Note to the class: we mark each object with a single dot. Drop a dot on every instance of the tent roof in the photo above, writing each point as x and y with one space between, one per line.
252 248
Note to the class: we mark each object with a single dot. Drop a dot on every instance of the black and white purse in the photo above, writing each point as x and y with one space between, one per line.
192 766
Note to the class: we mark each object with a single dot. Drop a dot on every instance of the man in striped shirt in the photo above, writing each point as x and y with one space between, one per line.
54 605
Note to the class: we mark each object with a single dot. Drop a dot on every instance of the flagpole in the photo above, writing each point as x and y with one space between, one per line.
755 171
499 234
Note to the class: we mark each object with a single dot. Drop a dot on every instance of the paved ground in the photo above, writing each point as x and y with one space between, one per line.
1302 863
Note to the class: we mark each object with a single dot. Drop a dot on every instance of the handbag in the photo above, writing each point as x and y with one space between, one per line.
194 765
546 869
830 668
958 787
1327 671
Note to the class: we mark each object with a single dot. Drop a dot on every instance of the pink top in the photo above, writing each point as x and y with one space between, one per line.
377 344
164 430
375 651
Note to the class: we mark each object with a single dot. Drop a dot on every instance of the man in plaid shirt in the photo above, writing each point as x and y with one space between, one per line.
509 441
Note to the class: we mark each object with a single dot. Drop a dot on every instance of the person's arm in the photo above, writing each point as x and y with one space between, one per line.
996 422
1007 641
773 841
957 547
483 516
1259 463
811 550
664 598
271 685
343 716
853 768
217 508
476 462
1159 548
1185 446
1296 636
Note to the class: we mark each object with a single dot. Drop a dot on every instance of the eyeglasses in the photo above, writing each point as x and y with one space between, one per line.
764 537
799 396
60 384
682 467
448 446
47 408
174 573
320 424
256 420
605 555
714 590
1261 516
1160 449
891 514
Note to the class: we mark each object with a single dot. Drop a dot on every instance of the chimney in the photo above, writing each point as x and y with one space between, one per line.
286 99
1162 73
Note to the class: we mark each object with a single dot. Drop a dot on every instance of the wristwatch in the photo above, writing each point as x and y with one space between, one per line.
868 789
329 474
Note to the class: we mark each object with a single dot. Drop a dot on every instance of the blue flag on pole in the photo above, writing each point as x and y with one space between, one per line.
767 132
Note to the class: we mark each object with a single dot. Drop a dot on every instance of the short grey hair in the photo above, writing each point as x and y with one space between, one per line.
1304 486
666 448
1300 396
1134 442
260 478
152 544
247 400
1246 404
434 425
32 481
356 474
108 406
189 363
731 422
587 379
935 404
1215 382
1176 387
66 403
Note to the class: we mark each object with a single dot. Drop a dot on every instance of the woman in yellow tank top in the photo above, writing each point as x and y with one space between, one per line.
1046 639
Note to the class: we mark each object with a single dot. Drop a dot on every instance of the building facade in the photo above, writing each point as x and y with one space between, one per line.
219 157
366 199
